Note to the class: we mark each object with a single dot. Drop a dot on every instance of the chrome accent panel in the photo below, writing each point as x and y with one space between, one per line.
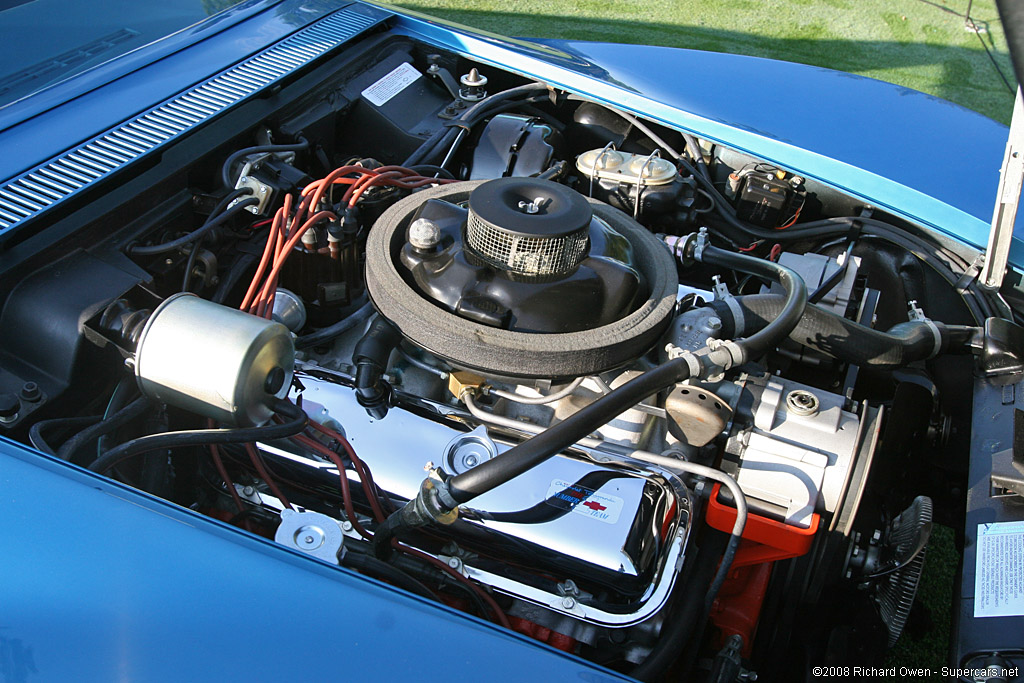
29 194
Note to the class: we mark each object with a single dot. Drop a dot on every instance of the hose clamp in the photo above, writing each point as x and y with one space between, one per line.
692 362
936 337
916 314
722 355
699 244
444 496
738 320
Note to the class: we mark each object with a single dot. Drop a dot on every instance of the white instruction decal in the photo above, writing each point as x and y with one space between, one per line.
392 84
584 501
999 576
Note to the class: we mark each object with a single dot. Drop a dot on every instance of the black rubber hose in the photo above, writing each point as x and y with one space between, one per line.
326 334
122 417
225 170
530 453
190 264
219 216
793 305
35 433
122 392
239 268
370 357
533 451
693 149
386 572
430 169
201 437
932 254
847 340
445 138
685 619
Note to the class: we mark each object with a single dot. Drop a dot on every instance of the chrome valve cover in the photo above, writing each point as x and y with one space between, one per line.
615 529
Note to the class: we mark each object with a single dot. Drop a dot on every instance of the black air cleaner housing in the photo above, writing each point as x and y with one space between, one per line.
520 277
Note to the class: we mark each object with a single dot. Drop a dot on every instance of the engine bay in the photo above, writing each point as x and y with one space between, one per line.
635 394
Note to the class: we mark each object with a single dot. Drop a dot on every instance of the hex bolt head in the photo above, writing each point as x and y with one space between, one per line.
424 234
31 392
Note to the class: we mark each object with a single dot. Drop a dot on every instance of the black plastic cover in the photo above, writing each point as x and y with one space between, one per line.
1002 352
762 200
42 324
603 288
513 145
394 128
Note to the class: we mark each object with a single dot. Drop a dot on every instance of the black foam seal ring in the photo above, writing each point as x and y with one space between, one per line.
494 351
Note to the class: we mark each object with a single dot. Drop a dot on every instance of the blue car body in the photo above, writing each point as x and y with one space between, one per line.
102 582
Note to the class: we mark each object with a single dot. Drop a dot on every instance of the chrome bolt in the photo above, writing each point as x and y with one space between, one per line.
424 234
568 603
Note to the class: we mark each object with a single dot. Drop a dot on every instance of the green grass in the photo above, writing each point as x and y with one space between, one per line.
925 640
920 44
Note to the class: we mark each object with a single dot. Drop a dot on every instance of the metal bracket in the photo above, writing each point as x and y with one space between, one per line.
915 312
1011 176
720 289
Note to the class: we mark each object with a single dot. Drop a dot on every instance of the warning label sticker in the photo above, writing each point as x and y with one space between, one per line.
395 82
584 501
999 577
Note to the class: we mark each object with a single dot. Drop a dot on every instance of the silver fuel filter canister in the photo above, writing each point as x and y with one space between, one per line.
215 361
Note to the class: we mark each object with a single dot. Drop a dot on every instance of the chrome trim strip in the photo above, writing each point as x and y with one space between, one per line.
29 194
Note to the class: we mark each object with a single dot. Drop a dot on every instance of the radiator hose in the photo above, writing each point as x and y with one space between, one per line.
835 336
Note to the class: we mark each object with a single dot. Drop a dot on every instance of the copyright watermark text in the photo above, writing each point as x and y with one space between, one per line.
912 672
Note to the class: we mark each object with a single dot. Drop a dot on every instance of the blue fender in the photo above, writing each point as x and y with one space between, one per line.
101 582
